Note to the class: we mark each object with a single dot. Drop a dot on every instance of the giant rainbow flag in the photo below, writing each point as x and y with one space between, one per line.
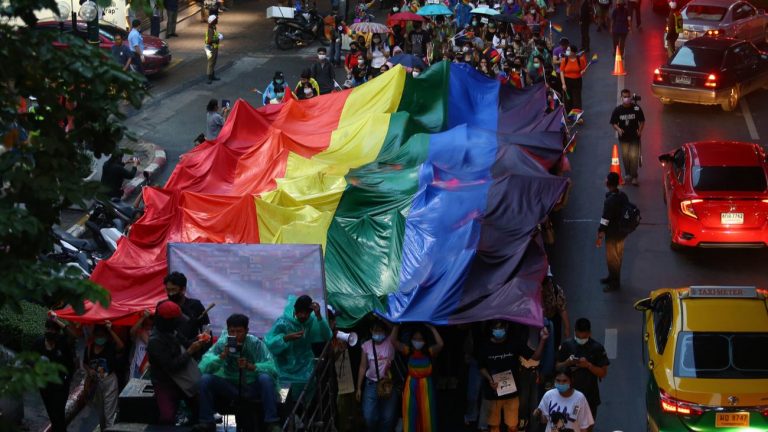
425 193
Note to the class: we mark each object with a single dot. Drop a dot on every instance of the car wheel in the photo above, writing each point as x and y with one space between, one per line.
733 100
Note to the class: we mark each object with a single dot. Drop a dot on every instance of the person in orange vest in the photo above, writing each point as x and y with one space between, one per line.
212 40
674 27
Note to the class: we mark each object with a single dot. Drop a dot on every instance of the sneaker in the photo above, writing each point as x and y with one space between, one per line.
627 178
635 182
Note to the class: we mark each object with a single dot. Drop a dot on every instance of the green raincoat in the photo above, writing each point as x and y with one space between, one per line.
254 351
294 359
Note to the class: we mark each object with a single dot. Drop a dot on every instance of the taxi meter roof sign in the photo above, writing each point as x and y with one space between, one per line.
722 292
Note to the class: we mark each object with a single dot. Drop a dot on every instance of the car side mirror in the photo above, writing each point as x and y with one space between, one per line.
643 305
665 159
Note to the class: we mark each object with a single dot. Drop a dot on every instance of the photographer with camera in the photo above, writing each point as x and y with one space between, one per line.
238 366
628 121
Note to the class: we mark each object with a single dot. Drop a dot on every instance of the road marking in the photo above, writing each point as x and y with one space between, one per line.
750 121
175 62
611 342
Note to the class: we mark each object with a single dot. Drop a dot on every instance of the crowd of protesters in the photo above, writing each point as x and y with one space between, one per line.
526 378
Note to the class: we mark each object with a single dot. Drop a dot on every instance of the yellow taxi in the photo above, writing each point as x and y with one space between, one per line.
706 348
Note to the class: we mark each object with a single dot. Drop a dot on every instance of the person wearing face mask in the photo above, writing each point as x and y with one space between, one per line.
322 72
379 53
360 71
587 361
374 378
628 121
536 70
306 78
350 61
498 359
306 91
100 362
572 67
170 362
291 337
419 413
563 407
56 348
276 90
194 318
238 365
674 28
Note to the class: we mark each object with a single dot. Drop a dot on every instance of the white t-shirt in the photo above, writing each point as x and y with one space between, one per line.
385 353
566 414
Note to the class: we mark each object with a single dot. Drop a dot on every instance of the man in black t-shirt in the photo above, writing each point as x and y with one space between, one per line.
418 40
628 121
56 347
498 355
614 203
587 360
194 317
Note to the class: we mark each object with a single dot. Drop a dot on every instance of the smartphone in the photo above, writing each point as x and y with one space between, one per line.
226 103
232 344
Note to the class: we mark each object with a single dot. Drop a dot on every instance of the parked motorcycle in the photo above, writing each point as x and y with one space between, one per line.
298 28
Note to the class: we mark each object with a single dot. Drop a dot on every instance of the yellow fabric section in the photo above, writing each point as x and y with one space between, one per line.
302 206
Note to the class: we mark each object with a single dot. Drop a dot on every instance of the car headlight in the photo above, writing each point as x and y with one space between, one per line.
150 51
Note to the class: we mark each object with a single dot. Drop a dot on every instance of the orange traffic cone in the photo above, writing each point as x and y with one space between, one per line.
618 64
615 167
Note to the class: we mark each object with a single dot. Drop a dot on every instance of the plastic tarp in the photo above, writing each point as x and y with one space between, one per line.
416 189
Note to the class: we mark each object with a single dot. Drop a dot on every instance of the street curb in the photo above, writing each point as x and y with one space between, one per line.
157 161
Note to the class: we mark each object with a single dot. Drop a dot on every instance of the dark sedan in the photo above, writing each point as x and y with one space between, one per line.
157 56
711 71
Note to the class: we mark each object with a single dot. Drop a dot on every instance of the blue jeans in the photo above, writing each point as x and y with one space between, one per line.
379 414
473 392
335 53
548 354
214 389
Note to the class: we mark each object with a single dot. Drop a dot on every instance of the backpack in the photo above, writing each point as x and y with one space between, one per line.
630 218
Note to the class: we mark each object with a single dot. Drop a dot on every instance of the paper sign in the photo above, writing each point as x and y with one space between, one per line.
506 383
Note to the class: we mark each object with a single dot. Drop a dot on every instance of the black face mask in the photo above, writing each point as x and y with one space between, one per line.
176 298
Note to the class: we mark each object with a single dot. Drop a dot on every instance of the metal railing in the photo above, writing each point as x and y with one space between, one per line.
315 408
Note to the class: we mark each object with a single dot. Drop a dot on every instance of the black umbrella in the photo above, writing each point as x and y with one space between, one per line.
507 18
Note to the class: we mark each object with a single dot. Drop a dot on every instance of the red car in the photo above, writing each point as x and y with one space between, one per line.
716 194
157 56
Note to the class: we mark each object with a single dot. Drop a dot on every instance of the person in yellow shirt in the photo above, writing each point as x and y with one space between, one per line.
212 40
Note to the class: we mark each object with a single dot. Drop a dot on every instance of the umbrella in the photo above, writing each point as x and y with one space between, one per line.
369 27
434 9
507 18
403 16
408 61
484 10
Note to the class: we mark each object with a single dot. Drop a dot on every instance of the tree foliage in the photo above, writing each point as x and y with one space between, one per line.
76 84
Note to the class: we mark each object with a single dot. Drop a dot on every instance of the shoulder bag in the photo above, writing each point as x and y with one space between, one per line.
383 385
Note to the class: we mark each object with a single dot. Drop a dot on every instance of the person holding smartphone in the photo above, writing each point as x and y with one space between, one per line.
214 119
238 366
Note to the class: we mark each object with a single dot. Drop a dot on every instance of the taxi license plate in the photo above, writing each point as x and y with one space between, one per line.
732 218
730 420
681 79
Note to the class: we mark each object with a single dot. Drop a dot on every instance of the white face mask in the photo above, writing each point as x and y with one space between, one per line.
568 52
537 65
672 5
307 91
580 341
416 73
321 56
465 49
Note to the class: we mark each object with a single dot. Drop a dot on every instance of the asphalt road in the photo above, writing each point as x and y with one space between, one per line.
176 114
648 261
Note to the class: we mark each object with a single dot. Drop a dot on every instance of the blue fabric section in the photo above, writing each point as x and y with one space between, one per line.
473 99
443 226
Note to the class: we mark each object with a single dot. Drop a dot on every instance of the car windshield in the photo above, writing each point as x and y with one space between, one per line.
729 178
721 355
702 58
704 13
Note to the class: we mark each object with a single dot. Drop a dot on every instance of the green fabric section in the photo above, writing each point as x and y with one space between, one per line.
364 248
253 350
294 359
